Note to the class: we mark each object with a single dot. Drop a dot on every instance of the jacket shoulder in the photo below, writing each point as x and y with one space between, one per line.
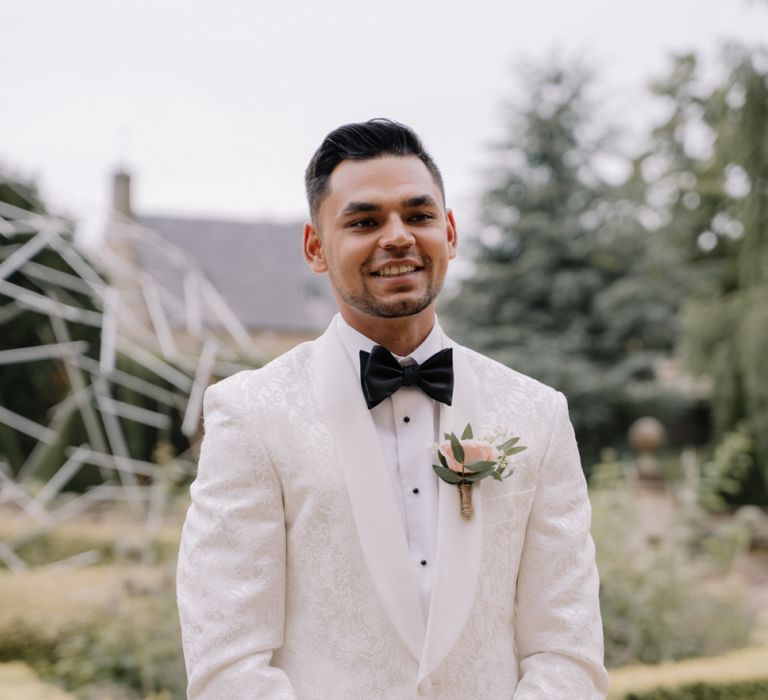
250 387
490 371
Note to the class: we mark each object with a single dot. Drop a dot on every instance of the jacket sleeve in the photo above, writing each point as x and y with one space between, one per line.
231 568
559 629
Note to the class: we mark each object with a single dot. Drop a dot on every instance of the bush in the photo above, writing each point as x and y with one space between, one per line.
654 606
743 690
130 651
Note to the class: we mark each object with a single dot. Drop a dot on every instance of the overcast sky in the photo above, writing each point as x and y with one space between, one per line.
215 107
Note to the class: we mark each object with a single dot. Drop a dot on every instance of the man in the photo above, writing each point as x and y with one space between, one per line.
321 557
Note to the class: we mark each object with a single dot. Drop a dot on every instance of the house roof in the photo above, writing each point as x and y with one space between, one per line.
257 268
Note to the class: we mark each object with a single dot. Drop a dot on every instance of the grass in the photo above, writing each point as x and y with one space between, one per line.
19 682
741 665
106 535
50 601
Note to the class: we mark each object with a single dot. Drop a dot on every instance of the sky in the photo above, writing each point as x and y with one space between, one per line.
216 107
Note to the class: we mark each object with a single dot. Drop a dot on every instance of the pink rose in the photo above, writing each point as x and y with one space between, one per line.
474 451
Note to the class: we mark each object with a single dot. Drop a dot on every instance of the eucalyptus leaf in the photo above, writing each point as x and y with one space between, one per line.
476 476
509 443
467 434
447 474
515 450
458 450
442 459
481 465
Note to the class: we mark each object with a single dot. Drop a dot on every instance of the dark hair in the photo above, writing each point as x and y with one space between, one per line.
362 141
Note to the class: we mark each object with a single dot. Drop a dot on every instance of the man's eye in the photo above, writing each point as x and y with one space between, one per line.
362 223
421 216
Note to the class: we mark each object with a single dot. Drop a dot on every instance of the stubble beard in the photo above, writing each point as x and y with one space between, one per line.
369 304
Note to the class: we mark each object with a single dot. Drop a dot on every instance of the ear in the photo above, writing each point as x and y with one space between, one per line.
313 248
452 238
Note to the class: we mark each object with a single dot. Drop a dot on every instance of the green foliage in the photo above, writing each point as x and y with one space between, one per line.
716 214
729 476
39 391
135 650
741 690
568 286
608 472
56 546
653 605
19 641
20 193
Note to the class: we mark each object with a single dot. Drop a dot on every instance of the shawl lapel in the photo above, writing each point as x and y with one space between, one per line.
373 504
459 541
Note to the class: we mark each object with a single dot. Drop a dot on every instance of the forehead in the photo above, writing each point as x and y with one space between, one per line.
379 180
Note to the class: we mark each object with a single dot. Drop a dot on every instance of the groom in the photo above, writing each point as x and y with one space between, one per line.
321 558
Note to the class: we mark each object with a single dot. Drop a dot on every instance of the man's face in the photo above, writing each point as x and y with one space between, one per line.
383 235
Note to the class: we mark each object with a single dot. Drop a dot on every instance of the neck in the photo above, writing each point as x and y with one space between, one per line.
401 336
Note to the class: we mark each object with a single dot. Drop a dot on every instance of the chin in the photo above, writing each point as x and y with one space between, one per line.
401 309
394 305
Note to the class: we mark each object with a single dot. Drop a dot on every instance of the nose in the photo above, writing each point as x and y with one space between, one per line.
395 233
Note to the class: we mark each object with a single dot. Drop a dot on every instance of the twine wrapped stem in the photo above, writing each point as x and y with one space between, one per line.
465 494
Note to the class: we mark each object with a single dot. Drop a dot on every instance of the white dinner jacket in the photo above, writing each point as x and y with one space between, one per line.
294 579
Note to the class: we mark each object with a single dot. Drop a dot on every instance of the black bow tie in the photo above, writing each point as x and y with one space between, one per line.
381 375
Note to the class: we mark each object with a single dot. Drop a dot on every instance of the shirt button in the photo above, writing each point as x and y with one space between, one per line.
416 489
423 562
406 420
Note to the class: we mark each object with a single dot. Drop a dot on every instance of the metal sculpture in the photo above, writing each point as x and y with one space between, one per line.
175 327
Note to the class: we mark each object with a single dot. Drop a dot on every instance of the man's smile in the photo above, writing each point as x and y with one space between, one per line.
395 270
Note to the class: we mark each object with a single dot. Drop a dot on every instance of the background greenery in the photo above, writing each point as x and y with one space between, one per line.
591 286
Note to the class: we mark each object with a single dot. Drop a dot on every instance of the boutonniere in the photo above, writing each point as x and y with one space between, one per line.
465 460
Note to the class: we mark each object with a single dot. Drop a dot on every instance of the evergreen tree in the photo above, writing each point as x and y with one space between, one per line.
32 390
564 288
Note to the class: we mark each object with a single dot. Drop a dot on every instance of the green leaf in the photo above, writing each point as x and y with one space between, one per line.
514 450
476 476
509 443
442 459
467 434
447 474
458 450
496 476
481 465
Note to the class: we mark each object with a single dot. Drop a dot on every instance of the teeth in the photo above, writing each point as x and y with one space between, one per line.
396 270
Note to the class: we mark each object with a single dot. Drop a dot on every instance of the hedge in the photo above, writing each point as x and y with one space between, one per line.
741 690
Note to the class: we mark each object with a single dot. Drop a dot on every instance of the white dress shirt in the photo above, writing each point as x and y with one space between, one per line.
407 425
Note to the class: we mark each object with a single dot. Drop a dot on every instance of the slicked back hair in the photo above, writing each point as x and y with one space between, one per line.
362 141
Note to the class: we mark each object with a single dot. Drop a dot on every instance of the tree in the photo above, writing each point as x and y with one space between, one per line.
715 163
566 287
43 391
33 393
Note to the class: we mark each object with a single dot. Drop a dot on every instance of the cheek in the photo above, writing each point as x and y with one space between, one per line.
345 261
352 254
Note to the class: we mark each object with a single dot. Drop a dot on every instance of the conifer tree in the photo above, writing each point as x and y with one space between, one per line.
564 288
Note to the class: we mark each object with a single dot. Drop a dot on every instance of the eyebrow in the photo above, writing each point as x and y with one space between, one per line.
420 201
359 207
411 203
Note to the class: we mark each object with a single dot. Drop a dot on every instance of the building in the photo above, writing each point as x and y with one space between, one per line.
255 268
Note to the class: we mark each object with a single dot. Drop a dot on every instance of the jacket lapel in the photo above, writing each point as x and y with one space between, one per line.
458 540
370 493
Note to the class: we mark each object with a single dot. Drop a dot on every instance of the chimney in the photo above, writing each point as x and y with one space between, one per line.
121 194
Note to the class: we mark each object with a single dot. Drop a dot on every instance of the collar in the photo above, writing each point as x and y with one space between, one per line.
354 342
